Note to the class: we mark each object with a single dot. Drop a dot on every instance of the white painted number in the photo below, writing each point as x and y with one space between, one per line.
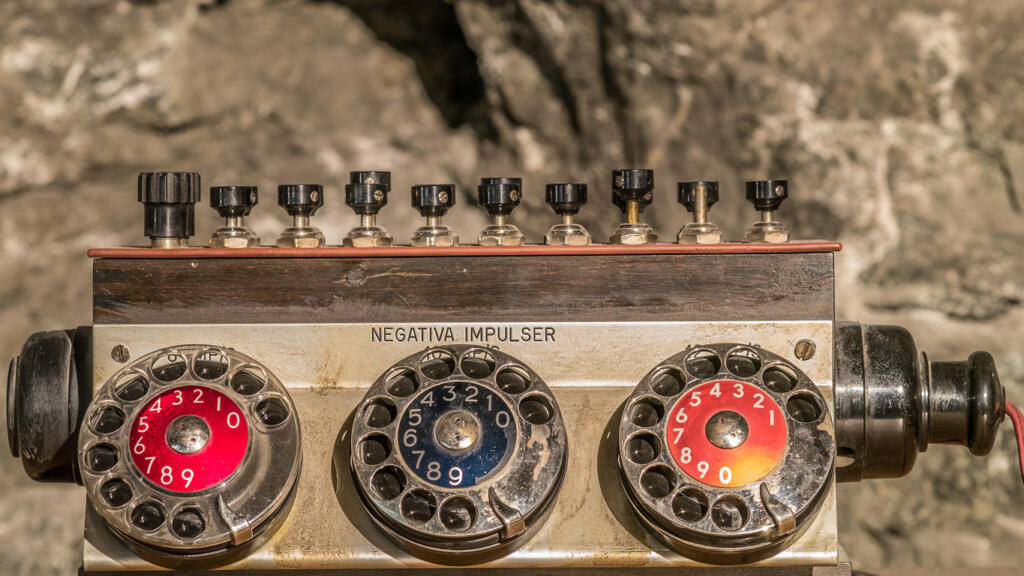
433 471
703 467
679 434
716 390
737 390
165 475
414 417
428 398
143 425
178 398
236 422
725 475
409 439
695 399
139 448
187 475
685 455
473 391
451 395
758 400
419 457
502 419
455 476
199 396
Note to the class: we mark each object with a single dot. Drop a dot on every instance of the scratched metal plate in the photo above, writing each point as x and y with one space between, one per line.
591 369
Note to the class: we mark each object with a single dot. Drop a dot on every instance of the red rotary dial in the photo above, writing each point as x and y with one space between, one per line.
726 433
189 438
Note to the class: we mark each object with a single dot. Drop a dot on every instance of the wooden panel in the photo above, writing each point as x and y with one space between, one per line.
653 287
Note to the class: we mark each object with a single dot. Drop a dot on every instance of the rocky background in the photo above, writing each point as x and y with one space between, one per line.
899 125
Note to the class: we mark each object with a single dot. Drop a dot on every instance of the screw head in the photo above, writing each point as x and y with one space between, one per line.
120 354
804 350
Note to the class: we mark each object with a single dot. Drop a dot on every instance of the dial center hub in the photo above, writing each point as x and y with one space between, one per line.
727 429
457 430
188 434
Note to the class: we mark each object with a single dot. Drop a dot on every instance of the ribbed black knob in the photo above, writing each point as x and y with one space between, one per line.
633 185
169 198
367 191
433 199
688 193
300 199
500 195
233 201
767 194
566 198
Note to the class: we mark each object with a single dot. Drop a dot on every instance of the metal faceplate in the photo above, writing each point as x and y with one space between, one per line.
590 368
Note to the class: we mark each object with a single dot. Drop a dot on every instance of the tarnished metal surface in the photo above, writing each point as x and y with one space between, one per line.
591 369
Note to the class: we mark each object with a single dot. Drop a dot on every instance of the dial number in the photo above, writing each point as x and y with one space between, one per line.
224 434
758 453
491 427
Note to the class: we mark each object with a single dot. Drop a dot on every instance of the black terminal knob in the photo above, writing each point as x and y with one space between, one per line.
688 193
433 199
633 185
300 199
500 195
566 198
767 194
367 191
169 198
233 201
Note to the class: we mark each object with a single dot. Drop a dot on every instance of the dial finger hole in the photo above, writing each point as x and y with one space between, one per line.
106 420
668 382
643 448
730 513
437 364
804 407
743 362
536 410
646 412
131 388
388 482
148 516
188 523
658 481
210 364
272 411
513 380
169 367
779 379
690 504
116 492
418 506
402 382
374 449
458 514
703 363
477 364
101 457
248 381
379 413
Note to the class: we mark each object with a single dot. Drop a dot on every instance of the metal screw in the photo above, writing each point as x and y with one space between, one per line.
804 349
442 197
314 195
120 353
378 195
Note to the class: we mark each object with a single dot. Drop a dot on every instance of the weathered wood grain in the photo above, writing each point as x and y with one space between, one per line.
653 287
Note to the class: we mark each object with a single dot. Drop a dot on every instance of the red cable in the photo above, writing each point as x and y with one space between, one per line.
1018 427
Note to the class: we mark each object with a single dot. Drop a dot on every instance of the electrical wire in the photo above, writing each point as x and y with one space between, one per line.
1018 427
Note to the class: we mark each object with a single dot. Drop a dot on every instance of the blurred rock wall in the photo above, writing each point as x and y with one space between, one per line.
899 125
